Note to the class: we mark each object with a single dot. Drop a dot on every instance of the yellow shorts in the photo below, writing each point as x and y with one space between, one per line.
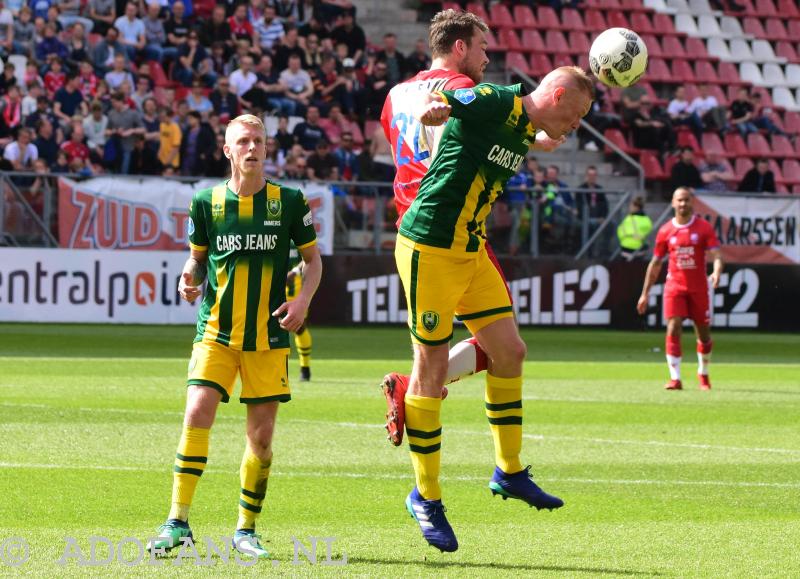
264 372
439 287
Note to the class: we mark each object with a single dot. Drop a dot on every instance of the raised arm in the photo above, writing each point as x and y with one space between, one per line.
432 110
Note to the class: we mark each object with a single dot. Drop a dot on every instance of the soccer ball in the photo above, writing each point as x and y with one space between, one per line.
618 57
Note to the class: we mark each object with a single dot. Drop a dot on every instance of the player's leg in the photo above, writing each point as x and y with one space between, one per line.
676 308
487 311
265 384
212 371
701 315
302 340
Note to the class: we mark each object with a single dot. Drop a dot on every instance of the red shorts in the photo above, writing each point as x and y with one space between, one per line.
684 304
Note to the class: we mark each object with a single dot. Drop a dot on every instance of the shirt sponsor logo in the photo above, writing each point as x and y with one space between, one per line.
505 158
274 223
307 219
251 242
464 95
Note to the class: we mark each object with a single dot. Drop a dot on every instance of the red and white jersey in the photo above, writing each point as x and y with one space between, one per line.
687 245
413 145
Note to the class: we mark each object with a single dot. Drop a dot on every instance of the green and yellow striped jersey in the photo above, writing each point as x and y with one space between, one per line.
482 146
248 240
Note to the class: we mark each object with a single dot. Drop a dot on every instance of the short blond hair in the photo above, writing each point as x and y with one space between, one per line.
251 120
577 77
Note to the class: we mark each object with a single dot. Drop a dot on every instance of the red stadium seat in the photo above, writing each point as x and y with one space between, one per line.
682 71
640 22
713 144
796 189
687 139
787 51
766 8
595 20
791 171
478 9
516 59
664 24
203 8
691 92
571 20
758 146
657 71
523 16
781 147
766 96
728 73
532 40
563 60
652 166
705 71
775 30
794 29
450 6
788 9
752 25
540 64
742 166
633 6
547 18
615 136
492 43
579 42
749 9
775 168
791 122
556 42
618 20
501 17
508 38
653 46
159 76
673 47
716 91
669 162
696 49
735 146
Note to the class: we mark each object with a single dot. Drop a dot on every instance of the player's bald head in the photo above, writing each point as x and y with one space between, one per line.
681 191
571 78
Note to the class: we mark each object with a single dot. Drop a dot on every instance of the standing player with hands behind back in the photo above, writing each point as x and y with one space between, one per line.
686 238
242 228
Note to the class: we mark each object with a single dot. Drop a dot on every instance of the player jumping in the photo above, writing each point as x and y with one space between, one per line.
686 238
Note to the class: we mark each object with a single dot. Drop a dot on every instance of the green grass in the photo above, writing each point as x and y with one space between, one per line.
656 483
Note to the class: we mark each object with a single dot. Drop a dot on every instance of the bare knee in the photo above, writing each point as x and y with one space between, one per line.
430 370
201 406
510 355
674 327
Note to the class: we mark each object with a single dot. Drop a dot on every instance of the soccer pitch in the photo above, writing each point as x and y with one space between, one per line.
656 483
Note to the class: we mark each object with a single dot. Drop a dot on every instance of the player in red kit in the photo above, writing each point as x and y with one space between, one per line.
458 45
686 238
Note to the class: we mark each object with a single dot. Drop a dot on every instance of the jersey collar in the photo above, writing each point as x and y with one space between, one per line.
676 226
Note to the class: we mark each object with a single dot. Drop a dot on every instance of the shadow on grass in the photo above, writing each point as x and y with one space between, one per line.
500 566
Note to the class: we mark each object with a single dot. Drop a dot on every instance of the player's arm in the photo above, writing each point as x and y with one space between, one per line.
546 144
650 277
716 256
432 110
293 314
193 275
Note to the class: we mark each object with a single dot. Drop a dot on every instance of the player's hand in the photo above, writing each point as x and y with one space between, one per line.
641 305
435 113
547 144
714 280
188 291
291 315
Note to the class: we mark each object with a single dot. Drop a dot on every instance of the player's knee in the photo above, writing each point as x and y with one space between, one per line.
260 440
512 353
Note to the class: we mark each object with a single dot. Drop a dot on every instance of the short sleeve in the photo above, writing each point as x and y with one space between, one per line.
198 234
480 103
459 81
661 249
302 229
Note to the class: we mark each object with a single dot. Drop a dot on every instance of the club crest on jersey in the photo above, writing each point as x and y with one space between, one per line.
190 226
694 237
464 95
274 207
673 240
430 320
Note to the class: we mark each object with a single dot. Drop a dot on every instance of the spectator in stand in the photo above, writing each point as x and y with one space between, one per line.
633 231
601 117
131 30
651 129
123 126
418 60
11 108
69 101
24 31
54 78
308 133
678 111
94 127
353 89
396 68
21 153
177 29
564 211
516 196
352 35
741 112
218 29
169 150
255 10
41 187
77 47
684 173
762 118
87 80
376 89
293 11
105 51
143 159
285 139
219 60
243 79
103 14
593 206
46 143
42 112
75 147
8 78
759 179
295 168
226 103
218 165
30 100
240 25
275 160
103 94
313 53
714 173
69 14
155 35
328 84
193 61
299 86
314 26
152 124
50 47
61 165
336 124
346 158
198 101
631 99
196 145
288 46
142 93
322 163
268 30
709 110
118 74
269 94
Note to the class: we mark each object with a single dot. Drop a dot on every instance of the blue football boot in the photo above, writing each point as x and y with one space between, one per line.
432 522
520 486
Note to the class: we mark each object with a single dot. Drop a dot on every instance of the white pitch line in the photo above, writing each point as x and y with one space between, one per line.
465 478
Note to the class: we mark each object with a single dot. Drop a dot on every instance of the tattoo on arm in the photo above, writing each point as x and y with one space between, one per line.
197 270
